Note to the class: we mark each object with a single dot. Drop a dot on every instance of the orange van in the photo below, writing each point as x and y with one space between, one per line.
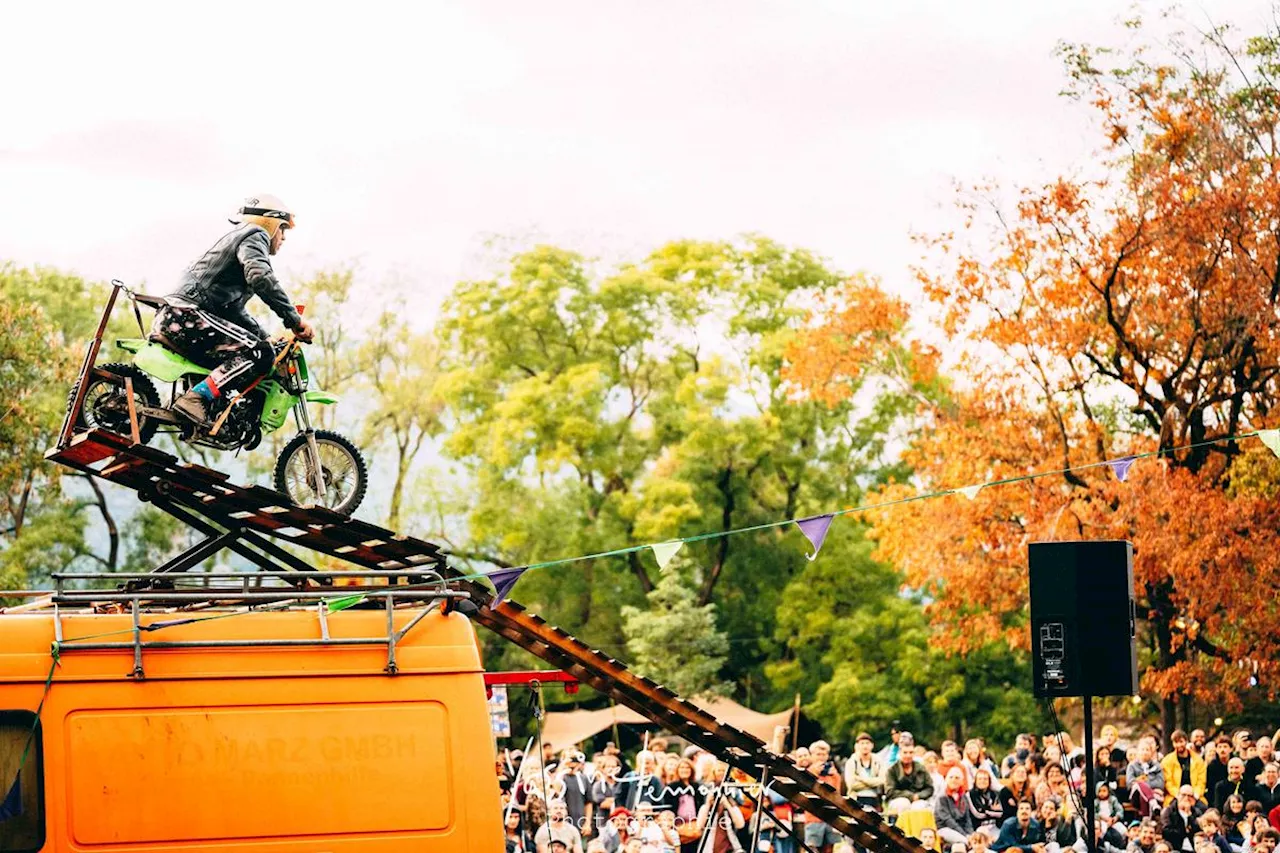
252 732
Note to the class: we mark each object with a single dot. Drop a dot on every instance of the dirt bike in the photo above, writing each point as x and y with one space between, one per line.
316 468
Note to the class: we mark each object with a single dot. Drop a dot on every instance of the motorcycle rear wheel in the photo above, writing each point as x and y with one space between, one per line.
107 407
346 477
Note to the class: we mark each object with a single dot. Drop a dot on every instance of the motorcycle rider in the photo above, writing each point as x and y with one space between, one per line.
205 320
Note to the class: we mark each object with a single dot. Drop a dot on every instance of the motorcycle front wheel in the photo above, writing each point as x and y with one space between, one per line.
343 472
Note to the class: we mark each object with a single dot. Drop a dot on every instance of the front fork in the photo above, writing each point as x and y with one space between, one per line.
315 472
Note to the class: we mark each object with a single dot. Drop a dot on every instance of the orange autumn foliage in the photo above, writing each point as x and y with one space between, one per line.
1129 313
855 332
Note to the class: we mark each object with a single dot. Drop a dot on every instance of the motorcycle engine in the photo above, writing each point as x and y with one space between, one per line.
242 429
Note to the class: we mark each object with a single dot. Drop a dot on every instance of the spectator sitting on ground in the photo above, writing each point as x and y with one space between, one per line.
1021 831
1110 736
1215 768
1232 816
1059 834
980 842
1254 767
1017 789
1144 839
1103 769
929 839
1110 812
1264 841
907 784
951 810
1211 826
930 762
950 757
1021 752
1267 792
1232 786
1106 841
1054 785
1180 821
1145 778
1182 767
985 805
890 754
974 760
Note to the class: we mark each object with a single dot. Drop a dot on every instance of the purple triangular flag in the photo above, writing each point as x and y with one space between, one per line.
815 530
1121 466
11 806
503 580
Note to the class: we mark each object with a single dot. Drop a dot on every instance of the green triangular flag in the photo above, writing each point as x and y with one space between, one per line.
664 551
1271 438
336 604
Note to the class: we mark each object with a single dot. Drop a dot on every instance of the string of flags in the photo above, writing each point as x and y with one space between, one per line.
815 527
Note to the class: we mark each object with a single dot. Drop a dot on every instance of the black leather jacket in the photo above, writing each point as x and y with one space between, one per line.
227 276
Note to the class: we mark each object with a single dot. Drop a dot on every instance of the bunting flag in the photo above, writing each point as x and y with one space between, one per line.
343 603
1121 466
1271 438
503 580
970 492
815 530
11 807
664 551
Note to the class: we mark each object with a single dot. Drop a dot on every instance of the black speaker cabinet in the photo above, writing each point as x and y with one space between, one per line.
1082 619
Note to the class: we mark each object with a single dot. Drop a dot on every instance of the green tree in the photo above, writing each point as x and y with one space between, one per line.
863 654
675 641
47 316
598 408
403 367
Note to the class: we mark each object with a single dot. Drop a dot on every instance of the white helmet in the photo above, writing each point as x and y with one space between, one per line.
267 211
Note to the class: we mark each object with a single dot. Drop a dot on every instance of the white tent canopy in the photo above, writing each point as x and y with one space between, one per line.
562 729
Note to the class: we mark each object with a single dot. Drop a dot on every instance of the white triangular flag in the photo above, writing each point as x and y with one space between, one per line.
970 492
664 551
1271 438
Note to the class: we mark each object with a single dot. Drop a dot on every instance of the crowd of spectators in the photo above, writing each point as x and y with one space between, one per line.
1203 796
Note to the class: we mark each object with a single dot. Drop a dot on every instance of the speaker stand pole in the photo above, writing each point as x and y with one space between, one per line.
1090 783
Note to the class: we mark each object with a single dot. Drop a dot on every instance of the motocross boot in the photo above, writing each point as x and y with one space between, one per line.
193 407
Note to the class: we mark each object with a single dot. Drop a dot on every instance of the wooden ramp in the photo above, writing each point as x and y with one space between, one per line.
251 519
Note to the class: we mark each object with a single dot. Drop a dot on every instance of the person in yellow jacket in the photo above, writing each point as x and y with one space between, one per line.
1183 767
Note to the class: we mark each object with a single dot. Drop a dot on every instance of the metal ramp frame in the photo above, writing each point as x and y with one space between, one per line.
246 518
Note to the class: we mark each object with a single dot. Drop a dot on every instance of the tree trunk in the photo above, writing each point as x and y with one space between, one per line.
1168 722
633 560
725 483
113 535
1161 620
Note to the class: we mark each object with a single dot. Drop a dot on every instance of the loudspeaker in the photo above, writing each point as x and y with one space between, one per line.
1083 619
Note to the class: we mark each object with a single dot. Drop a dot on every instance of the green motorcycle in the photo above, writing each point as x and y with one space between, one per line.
316 468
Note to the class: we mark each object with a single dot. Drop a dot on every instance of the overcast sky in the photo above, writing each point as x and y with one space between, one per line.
404 136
